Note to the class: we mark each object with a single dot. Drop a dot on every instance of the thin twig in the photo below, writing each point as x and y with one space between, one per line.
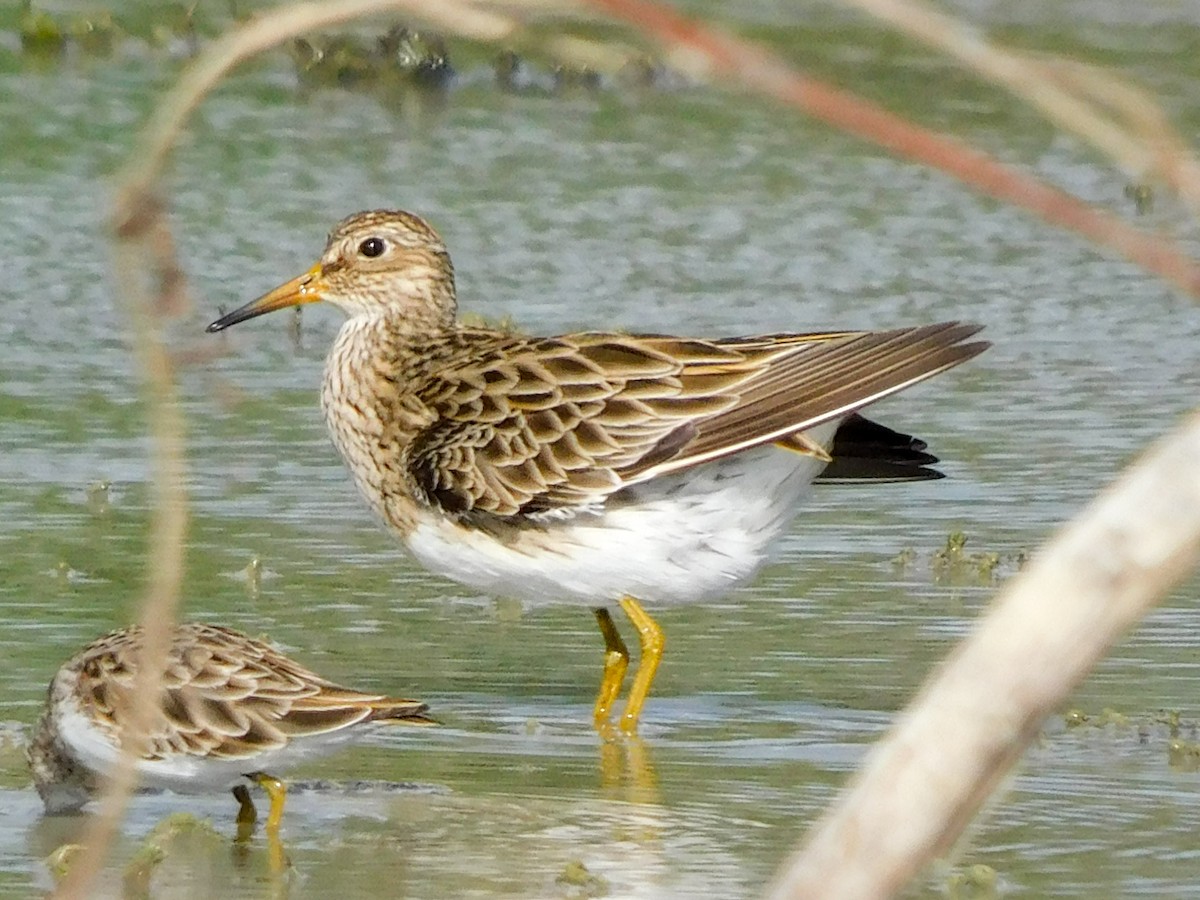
165 552
921 785
142 234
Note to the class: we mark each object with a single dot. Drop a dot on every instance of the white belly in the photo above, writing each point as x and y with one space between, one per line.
680 538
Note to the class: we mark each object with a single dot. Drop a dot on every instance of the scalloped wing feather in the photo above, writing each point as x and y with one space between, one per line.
823 382
224 695
571 420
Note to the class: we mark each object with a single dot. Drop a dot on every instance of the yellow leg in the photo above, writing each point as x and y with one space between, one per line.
652 641
247 814
277 792
612 760
277 864
616 661
643 783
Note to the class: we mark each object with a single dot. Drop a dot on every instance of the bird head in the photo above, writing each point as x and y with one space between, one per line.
377 264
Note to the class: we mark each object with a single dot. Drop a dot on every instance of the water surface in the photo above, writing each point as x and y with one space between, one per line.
686 209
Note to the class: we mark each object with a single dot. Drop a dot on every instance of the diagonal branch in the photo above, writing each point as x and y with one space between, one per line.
707 52
921 785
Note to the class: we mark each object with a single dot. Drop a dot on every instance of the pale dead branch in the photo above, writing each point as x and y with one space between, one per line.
921 785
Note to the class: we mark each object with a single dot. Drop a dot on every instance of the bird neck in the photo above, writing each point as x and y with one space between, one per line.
421 301
375 341
370 409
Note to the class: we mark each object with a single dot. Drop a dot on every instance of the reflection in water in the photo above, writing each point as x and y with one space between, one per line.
278 865
627 772
181 855
640 820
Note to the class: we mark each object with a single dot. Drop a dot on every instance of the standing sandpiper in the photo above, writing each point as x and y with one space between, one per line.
598 467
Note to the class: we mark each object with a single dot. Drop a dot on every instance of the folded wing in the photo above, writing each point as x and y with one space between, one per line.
552 426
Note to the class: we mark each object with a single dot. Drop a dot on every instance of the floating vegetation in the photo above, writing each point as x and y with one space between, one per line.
401 55
98 499
98 34
253 573
1183 756
420 57
978 880
953 564
332 62
158 844
41 34
579 882
95 35
1159 729
60 860
1142 195
403 66
136 877
1074 718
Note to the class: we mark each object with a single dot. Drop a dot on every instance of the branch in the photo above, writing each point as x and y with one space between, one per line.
706 52
921 785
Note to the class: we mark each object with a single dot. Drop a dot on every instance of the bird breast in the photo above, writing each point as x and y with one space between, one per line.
370 420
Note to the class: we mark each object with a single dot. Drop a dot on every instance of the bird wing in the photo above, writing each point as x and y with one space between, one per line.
225 695
550 426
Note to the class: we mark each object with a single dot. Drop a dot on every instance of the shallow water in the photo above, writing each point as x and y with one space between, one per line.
676 210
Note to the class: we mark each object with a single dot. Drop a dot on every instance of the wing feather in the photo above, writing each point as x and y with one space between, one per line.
225 695
576 418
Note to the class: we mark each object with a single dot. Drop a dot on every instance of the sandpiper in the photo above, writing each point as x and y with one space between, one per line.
598 467
231 708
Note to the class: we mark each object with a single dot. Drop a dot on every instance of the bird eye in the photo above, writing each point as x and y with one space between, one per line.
372 247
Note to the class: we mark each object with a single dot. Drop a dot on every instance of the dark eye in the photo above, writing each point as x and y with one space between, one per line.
372 247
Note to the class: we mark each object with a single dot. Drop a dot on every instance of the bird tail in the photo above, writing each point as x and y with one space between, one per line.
394 711
867 451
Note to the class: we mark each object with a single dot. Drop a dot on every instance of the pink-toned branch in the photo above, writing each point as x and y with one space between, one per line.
707 52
